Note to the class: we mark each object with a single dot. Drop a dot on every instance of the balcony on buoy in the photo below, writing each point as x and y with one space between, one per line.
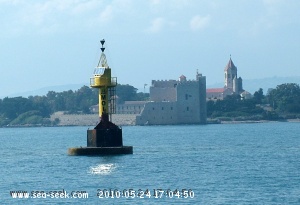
102 78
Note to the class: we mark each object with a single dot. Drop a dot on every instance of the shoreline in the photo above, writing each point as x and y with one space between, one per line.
123 120
258 121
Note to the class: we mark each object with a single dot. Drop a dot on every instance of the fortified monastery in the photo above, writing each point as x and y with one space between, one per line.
182 101
175 102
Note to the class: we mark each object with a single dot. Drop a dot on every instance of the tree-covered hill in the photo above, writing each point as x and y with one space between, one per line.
37 109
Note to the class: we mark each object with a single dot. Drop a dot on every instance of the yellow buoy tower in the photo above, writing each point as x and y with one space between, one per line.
106 84
106 137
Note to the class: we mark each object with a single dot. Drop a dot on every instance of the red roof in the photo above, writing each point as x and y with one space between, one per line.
215 90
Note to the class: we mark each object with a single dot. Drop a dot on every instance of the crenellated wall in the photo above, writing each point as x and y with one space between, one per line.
164 83
163 90
179 102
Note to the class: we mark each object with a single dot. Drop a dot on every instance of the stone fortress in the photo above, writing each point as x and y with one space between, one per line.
179 101
182 101
175 102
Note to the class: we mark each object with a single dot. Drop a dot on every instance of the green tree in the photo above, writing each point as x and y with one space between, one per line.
30 117
258 96
140 96
210 107
233 106
85 98
126 93
41 104
35 109
12 107
285 98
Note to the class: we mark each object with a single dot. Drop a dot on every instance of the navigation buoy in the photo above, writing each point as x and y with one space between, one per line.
106 138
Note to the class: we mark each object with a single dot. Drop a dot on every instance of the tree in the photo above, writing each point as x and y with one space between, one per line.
210 107
34 109
41 104
85 98
285 98
30 117
233 106
126 93
142 96
12 107
258 96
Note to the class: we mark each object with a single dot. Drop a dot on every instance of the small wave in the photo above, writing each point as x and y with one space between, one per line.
102 169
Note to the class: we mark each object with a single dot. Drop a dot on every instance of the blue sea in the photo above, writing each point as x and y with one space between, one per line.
187 164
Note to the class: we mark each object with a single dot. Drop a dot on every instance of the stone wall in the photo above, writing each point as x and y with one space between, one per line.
164 83
91 119
130 107
163 90
158 113
163 94
188 102
202 100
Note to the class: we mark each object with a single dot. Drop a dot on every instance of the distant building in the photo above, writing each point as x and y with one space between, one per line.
232 84
217 93
245 95
175 102
182 101
130 107
94 109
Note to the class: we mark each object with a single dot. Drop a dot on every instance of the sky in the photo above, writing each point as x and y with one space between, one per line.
49 43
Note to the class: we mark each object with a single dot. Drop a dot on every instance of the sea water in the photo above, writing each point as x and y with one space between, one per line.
186 164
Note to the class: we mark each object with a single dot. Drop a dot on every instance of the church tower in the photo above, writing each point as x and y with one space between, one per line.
231 76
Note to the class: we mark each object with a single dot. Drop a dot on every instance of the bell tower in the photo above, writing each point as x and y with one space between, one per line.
230 72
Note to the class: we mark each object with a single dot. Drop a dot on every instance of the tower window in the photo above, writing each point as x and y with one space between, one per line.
187 108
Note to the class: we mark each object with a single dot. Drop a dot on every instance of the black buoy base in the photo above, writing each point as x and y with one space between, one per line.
111 137
105 139
78 151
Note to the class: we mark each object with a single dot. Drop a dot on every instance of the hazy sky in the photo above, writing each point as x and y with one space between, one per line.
46 43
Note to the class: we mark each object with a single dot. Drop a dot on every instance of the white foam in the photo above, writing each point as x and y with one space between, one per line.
102 169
